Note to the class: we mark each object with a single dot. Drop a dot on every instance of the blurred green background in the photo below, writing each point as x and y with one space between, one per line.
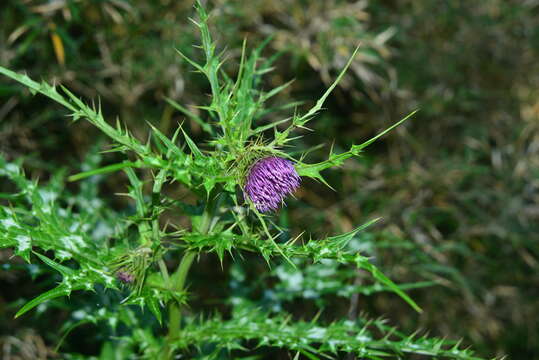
457 186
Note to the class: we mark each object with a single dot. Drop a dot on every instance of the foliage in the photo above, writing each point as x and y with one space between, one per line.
35 222
455 188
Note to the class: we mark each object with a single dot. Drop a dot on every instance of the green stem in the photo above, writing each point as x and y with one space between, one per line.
178 284
164 271
178 281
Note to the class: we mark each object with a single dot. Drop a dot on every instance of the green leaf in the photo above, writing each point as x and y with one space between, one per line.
65 271
153 304
60 290
343 239
24 246
194 148
360 147
363 263
42 88
300 121
204 125
104 170
371 339
313 170
172 148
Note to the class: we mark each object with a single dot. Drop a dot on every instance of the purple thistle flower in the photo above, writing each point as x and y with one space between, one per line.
125 277
269 181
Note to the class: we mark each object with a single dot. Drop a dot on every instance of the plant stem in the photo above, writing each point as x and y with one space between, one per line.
178 284
177 281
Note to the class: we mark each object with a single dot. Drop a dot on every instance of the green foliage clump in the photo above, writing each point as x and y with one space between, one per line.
78 237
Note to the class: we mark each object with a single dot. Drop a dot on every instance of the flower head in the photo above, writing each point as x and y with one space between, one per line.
269 181
125 276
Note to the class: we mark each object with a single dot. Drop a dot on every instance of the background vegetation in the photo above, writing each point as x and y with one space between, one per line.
457 186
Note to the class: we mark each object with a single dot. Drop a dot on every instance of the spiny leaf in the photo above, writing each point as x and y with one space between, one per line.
194 148
313 170
60 290
343 239
263 128
360 147
42 88
363 263
361 338
65 271
104 170
300 121
153 304
172 148
204 125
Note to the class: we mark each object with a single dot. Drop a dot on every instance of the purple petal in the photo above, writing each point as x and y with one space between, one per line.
269 181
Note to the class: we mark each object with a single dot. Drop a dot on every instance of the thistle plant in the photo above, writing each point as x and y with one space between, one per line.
240 177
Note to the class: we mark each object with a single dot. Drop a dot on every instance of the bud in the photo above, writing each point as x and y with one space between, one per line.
269 181
125 277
